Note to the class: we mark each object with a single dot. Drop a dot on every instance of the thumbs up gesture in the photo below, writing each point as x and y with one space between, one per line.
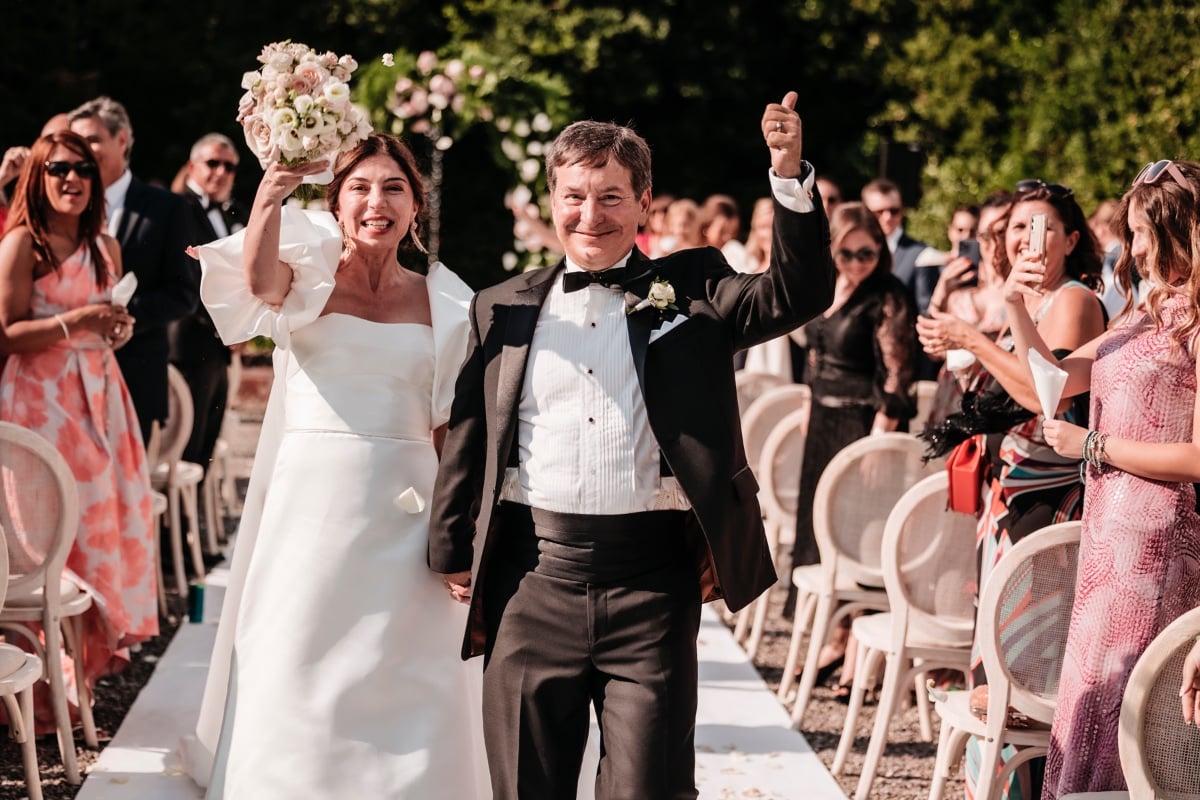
781 129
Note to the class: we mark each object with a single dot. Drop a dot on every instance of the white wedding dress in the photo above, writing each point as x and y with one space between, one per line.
337 669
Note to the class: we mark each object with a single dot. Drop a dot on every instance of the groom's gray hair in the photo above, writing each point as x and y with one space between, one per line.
592 144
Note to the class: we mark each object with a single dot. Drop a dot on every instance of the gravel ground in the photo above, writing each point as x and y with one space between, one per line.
905 770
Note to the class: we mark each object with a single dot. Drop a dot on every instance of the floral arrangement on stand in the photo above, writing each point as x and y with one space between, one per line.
441 97
297 106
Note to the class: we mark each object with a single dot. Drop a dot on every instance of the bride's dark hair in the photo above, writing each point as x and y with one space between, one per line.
384 144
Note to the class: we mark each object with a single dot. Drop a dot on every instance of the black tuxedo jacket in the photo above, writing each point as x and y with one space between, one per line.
193 339
687 382
154 232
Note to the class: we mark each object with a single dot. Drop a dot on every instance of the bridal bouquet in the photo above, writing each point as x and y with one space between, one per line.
297 105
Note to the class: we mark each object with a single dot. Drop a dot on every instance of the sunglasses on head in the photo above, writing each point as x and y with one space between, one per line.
1153 172
1055 189
213 163
864 255
61 169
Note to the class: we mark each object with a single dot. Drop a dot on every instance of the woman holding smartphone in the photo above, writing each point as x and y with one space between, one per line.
1139 555
1031 485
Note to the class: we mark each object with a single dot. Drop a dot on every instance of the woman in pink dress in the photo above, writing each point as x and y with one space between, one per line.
1139 559
61 380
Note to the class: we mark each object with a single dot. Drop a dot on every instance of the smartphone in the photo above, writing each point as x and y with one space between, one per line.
969 249
1037 233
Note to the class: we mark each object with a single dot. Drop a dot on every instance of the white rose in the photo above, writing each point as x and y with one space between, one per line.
541 122
520 197
512 150
503 124
455 68
661 295
521 128
304 104
438 100
444 143
251 79
388 60
509 261
426 61
535 148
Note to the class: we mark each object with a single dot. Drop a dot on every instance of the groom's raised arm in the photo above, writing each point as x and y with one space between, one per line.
798 283
458 489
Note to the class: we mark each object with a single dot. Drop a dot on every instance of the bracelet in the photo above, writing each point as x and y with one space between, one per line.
62 324
1093 449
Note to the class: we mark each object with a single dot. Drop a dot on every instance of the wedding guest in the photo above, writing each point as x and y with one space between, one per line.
153 229
195 346
654 226
61 380
1140 549
964 224
56 123
721 226
362 693
1101 223
861 366
1030 485
10 168
861 357
781 355
831 194
572 406
681 227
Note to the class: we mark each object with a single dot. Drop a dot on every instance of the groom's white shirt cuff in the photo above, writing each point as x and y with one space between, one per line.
795 193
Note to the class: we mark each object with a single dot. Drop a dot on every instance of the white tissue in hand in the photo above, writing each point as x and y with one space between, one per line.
1048 380
957 360
122 291
410 501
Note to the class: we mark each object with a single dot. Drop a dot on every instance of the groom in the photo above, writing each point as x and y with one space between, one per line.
594 446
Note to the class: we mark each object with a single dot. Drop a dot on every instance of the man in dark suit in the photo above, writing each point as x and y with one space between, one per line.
154 232
594 445
916 264
196 349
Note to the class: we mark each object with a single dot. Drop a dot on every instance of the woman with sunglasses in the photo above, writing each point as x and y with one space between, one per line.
861 364
1030 485
61 380
1139 564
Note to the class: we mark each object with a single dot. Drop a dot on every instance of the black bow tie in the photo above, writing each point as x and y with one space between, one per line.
611 278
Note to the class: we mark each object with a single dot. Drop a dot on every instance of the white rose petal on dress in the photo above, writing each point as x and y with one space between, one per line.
410 501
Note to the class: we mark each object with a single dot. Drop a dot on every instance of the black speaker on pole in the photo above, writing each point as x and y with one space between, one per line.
902 163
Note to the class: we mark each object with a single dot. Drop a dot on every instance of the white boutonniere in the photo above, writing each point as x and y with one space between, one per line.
661 297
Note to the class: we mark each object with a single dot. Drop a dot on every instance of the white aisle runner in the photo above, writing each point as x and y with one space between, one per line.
745 747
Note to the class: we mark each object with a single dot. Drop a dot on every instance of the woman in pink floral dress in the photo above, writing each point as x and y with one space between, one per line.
61 380
1139 559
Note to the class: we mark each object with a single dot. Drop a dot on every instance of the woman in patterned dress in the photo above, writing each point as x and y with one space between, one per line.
1031 486
1139 557
61 380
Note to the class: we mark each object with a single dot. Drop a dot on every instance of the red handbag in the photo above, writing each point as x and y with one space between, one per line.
965 470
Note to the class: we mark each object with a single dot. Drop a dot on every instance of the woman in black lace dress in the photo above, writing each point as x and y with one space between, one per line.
861 357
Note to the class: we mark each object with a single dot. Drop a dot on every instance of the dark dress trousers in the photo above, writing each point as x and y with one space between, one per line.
196 349
554 640
154 231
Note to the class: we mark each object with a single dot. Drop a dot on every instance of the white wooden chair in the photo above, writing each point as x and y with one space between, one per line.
39 512
219 491
854 497
178 479
1024 614
929 573
779 486
925 393
19 671
751 384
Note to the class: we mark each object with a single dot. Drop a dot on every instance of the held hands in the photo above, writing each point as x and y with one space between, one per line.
279 181
781 130
1025 279
112 322
1189 691
1065 438
459 585
940 332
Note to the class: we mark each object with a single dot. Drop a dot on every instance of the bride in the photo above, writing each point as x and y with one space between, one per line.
336 670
